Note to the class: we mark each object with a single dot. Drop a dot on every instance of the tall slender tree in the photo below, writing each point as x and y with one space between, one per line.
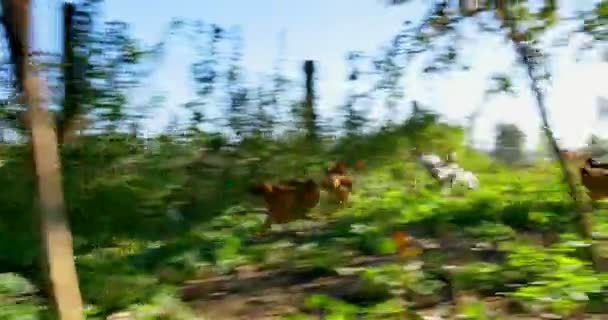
354 119
56 238
70 104
237 93
509 144
523 36
533 60
308 114
204 71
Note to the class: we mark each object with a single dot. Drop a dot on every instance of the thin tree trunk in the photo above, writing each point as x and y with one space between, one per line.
71 121
56 245
583 209
69 103
309 113
57 257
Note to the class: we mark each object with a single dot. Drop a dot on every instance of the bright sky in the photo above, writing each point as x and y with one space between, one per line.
326 30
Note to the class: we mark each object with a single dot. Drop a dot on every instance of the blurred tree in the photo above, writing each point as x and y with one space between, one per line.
426 133
238 95
101 62
501 84
523 28
262 121
354 119
56 237
272 104
509 144
204 71
78 93
307 114
114 57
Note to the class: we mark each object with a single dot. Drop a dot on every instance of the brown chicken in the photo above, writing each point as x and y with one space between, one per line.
288 200
337 183
338 168
359 165
594 177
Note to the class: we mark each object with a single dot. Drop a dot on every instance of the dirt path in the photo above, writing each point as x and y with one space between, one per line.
257 294
269 294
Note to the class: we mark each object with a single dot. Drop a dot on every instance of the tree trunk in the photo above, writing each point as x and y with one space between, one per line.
71 120
583 207
56 237
309 113
57 256
525 54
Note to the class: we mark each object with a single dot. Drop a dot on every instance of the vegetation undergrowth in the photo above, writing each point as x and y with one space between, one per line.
144 224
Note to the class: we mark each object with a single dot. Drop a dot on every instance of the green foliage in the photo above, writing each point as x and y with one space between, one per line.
395 278
335 309
149 214
476 310
483 277
555 281
17 300
162 306
509 144
25 311
12 284
491 232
